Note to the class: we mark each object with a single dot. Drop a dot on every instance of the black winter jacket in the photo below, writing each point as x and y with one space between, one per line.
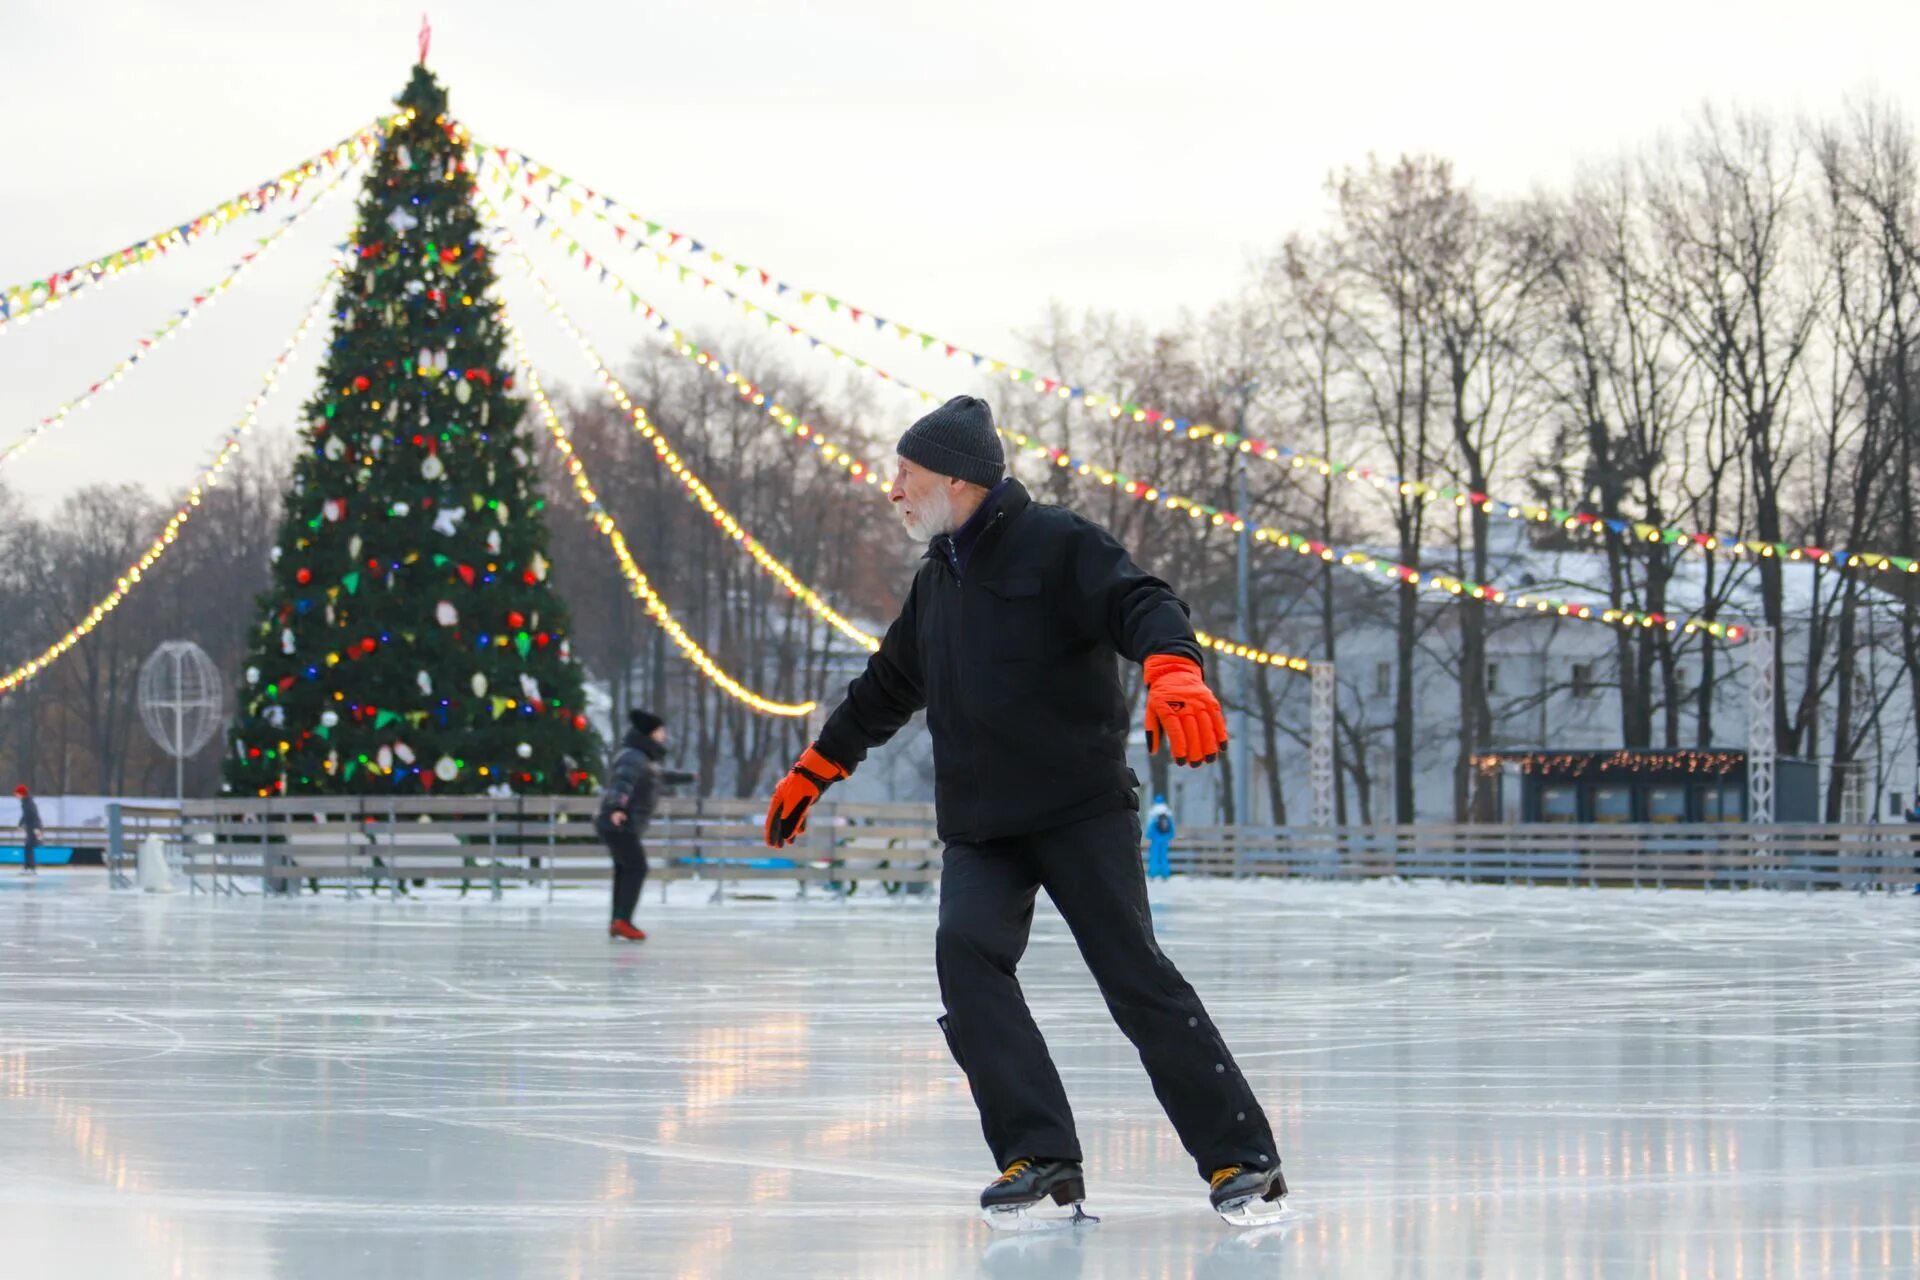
29 814
1016 665
633 784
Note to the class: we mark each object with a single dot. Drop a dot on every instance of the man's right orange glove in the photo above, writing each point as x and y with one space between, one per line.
795 794
1183 709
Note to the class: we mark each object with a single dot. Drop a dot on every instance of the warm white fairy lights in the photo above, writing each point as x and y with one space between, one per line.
721 517
609 529
229 449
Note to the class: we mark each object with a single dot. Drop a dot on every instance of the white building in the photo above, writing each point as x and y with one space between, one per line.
1554 682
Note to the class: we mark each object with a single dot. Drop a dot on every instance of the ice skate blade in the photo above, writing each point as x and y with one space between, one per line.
1040 1216
1252 1211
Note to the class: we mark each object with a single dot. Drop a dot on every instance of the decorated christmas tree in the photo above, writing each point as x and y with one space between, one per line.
412 641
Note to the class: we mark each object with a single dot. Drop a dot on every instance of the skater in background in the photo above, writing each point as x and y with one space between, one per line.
1011 638
1159 840
29 830
626 806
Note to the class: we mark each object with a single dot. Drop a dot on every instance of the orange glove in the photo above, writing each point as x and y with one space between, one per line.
1181 708
795 794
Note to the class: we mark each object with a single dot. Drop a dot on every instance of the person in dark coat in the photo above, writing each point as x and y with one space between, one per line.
29 829
1011 637
626 806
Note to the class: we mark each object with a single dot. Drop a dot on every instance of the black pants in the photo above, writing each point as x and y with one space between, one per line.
1091 870
629 871
28 847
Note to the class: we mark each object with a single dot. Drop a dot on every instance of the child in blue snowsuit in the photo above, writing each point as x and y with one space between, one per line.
1159 839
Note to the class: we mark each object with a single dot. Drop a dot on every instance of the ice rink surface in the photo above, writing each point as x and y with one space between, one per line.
1466 1082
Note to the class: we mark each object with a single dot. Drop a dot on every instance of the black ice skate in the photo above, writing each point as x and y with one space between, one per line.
1247 1197
1008 1202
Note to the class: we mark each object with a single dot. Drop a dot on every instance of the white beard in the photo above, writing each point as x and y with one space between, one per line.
930 518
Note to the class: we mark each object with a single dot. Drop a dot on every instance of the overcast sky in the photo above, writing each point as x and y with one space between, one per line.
956 165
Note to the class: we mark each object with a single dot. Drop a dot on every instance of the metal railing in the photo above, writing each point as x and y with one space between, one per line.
1701 855
375 845
371 845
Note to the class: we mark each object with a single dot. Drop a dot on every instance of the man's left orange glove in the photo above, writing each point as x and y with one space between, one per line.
1182 709
795 794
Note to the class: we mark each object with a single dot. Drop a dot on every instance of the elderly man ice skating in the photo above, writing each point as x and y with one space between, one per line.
1011 638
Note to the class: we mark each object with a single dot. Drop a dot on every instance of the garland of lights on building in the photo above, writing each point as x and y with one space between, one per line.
1576 764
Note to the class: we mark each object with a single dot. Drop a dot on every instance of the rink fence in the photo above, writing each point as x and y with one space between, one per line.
545 843
541 843
1703 855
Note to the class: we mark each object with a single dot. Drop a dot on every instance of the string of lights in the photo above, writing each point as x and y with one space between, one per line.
542 214
623 221
22 302
637 582
723 519
141 567
1213 517
181 320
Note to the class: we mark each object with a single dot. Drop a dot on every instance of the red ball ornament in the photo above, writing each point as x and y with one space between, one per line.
367 645
580 722
516 619
303 576
361 383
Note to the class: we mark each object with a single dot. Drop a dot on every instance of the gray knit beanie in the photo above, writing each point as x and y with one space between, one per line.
957 440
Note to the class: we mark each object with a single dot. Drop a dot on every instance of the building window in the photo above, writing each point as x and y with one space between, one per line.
1667 804
1613 804
1559 804
1493 677
1583 686
1382 679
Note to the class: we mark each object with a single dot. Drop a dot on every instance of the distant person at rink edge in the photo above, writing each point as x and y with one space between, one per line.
1160 840
1009 639
29 831
626 806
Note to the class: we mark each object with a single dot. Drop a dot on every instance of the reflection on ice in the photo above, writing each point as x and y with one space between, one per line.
1494 1082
